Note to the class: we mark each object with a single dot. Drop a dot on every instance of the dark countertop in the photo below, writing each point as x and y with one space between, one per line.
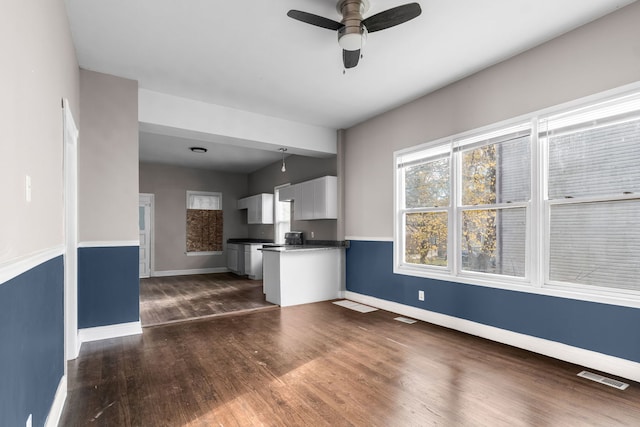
310 245
247 240
302 248
307 243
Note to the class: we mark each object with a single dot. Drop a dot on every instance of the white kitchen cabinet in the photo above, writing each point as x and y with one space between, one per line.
233 264
253 260
316 199
245 259
303 202
259 208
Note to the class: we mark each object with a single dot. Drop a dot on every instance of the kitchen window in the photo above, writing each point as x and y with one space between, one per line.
204 223
282 215
549 202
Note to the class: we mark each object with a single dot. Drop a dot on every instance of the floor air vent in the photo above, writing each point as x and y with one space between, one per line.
405 320
355 306
603 380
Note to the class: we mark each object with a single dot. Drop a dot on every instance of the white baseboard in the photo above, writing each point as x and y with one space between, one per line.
58 404
109 331
166 273
579 356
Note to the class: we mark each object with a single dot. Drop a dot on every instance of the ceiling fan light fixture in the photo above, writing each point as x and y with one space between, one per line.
352 40
353 28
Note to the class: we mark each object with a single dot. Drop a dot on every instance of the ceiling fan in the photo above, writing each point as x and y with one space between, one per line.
353 29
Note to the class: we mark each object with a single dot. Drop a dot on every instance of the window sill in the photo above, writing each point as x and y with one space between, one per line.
523 285
204 253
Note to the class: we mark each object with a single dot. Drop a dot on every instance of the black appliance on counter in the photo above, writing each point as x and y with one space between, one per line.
293 238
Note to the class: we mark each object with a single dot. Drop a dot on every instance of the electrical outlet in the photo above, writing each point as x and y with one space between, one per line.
421 295
312 234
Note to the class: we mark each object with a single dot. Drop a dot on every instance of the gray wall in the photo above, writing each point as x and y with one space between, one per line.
39 68
598 56
169 184
299 169
108 159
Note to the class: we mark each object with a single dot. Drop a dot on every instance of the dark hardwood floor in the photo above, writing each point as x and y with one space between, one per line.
180 298
324 365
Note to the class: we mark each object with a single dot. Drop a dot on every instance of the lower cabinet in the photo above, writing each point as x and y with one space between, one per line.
253 261
245 259
235 262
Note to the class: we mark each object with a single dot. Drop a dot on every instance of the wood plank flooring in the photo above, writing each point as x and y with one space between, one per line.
180 298
324 365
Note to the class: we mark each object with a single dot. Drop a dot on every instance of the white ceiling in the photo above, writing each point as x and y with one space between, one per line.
159 148
249 55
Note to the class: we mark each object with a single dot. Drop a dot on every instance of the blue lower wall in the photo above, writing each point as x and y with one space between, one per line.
603 328
108 286
31 343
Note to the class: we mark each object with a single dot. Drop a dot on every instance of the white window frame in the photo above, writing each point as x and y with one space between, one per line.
215 194
580 115
276 217
455 210
536 278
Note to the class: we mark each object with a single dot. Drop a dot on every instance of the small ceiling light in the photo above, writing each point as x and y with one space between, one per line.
200 150
284 167
354 40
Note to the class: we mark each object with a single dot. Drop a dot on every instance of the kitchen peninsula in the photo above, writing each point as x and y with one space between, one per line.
303 274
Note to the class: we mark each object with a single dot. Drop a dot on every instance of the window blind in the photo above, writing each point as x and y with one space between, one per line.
596 244
595 162
203 201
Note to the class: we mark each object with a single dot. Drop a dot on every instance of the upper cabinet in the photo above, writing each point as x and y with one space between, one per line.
259 208
315 199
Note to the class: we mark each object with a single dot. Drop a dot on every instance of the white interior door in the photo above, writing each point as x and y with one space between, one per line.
145 208
70 234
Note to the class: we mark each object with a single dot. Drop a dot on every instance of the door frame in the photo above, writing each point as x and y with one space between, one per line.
70 177
148 200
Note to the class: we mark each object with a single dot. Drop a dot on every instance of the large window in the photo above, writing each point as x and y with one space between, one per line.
550 202
593 206
426 200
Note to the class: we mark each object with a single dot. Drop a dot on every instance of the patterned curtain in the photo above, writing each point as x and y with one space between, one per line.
204 230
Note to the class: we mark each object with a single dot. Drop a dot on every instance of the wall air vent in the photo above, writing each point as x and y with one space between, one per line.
603 380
